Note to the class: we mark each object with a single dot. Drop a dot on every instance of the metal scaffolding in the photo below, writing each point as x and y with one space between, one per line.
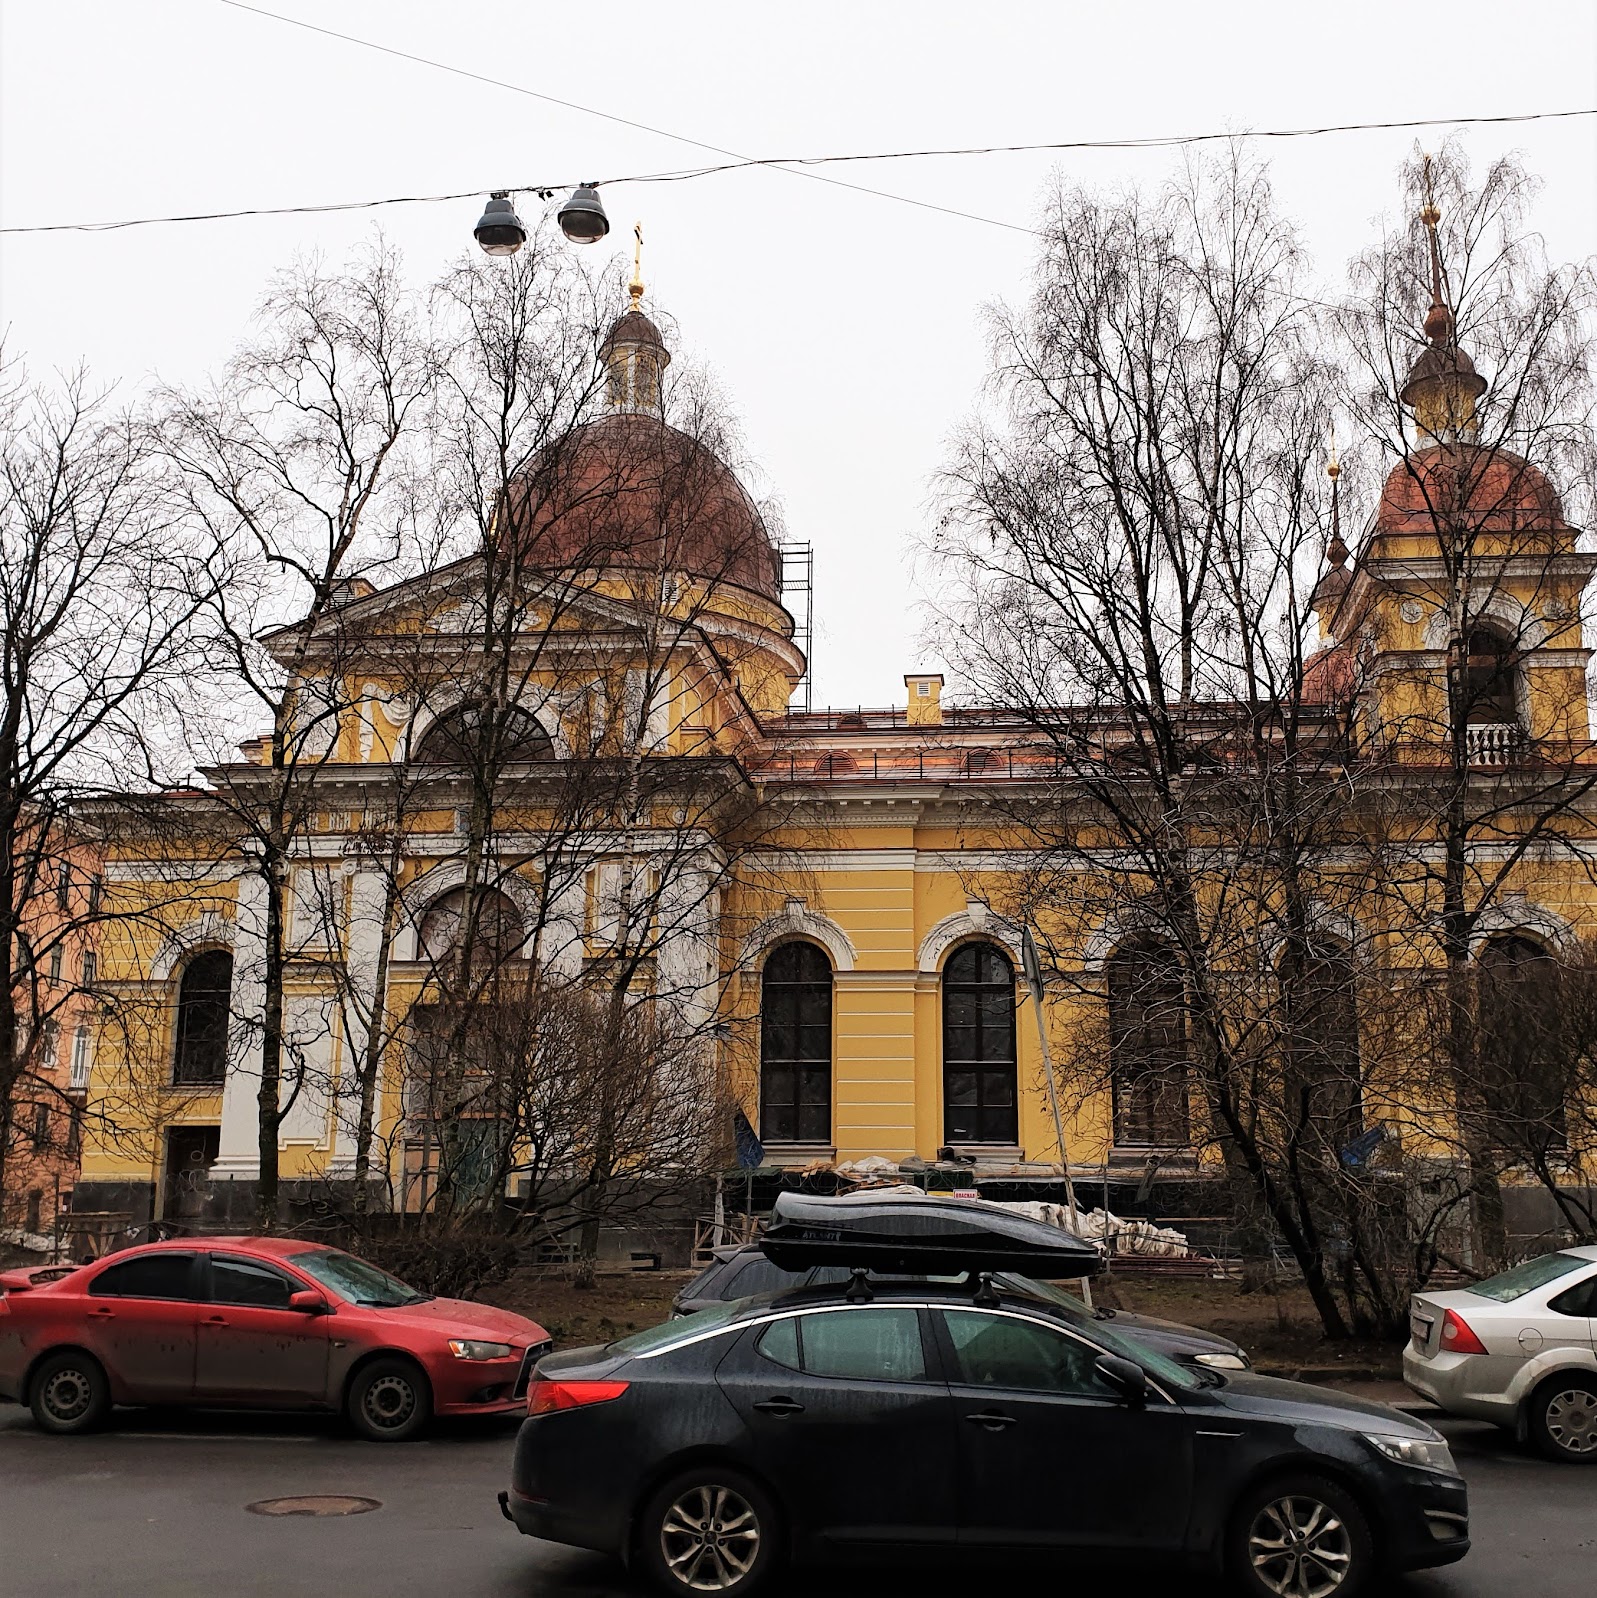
798 595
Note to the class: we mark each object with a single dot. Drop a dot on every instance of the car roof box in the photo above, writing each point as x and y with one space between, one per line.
937 1237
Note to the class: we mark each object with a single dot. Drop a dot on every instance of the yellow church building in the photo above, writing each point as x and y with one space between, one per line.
825 893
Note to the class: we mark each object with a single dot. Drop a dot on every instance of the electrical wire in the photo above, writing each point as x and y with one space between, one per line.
795 166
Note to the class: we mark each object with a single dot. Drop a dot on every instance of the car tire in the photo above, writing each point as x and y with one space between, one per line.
1299 1537
709 1530
1562 1419
69 1393
389 1400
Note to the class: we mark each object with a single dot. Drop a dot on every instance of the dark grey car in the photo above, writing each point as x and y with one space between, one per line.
739 1271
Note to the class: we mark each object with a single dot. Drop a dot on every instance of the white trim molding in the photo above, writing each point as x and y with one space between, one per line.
1515 913
423 891
797 920
976 920
207 931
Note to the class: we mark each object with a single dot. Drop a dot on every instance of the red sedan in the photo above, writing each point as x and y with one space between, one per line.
261 1323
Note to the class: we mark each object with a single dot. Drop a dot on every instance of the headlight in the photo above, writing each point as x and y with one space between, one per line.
1222 1362
468 1348
1424 1452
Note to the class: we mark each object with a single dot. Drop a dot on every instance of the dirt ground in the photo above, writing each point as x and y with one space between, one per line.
1278 1329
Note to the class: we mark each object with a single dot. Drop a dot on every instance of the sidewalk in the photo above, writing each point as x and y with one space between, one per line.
1377 1391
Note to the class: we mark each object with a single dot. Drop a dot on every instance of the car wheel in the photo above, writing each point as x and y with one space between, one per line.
70 1393
1563 1419
1300 1537
389 1401
709 1530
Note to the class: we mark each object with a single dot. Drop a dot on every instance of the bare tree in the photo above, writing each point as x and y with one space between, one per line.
99 595
296 462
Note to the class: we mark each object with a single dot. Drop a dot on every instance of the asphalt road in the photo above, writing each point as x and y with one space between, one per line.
155 1508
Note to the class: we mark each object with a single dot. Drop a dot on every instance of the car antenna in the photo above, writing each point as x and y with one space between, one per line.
859 1287
986 1294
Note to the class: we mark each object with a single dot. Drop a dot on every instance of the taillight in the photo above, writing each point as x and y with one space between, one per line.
544 1397
1457 1338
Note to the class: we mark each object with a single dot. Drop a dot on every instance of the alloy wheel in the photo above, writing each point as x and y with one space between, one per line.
389 1402
710 1538
1571 1420
1300 1548
67 1395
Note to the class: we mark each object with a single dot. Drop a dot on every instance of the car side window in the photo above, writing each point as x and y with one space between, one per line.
236 1281
866 1344
779 1343
758 1275
163 1275
1579 1300
1003 1351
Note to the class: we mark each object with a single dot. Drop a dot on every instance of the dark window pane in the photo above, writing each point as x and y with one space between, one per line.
796 1045
979 1045
202 1010
996 1351
758 1275
162 1275
779 1343
864 1344
240 1282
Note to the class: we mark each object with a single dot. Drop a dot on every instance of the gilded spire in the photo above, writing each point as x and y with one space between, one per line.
635 287
1439 324
1336 552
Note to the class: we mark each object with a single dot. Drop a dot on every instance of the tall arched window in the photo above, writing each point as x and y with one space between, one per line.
462 737
1324 1084
1491 679
202 1001
979 1098
1148 1046
1521 1043
796 1046
498 934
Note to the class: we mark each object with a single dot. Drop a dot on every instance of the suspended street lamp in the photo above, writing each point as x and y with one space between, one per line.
582 217
500 231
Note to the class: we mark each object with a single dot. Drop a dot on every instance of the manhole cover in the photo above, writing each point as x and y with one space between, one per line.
322 1504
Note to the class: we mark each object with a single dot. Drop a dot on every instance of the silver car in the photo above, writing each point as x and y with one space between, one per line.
1519 1349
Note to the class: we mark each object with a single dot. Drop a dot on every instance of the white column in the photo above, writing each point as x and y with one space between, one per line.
239 1154
363 940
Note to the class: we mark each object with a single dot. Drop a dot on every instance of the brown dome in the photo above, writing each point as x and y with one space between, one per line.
1328 676
632 328
630 491
1496 490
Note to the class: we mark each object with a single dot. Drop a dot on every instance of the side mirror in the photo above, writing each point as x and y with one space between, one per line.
1126 1377
308 1302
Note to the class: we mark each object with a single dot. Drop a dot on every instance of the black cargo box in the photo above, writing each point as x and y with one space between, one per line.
921 1236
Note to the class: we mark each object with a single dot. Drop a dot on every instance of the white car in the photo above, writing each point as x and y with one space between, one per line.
1519 1349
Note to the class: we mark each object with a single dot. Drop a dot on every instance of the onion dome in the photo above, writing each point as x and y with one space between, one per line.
1328 676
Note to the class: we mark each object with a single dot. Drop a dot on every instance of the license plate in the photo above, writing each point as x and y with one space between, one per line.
1420 1329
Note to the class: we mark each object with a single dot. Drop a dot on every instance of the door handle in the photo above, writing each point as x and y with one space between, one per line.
103 1314
216 1320
991 1420
780 1406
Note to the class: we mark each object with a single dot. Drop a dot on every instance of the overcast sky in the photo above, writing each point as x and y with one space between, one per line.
846 328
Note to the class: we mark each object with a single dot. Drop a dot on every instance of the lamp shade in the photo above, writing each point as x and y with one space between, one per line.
500 230
582 217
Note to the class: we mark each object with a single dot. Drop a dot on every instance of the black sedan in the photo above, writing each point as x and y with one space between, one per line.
741 1269
964 1421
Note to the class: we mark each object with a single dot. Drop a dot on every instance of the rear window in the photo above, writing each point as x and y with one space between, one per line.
758 1275
683 1327
1526 1278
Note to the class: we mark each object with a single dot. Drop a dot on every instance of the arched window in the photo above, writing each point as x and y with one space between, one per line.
1324 1086
796 1046
463 737
1521 1043
1148 1046
979 1099
1491 679
498 934
202 1002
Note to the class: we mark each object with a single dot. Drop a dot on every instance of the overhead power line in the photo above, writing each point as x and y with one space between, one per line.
794 166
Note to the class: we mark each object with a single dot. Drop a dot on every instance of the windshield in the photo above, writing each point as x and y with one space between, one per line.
355 1280
1526 1278
1167 1370
684 1326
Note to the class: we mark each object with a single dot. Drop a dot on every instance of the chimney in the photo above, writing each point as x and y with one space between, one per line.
925 699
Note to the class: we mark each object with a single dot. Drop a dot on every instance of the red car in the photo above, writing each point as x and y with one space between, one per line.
261 1323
